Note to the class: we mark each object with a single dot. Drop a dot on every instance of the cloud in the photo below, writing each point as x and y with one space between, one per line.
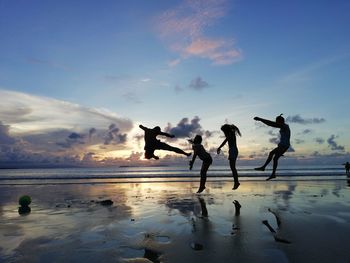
185 128
41 131
92 131
183 29
298 119
38 114
306 131
333 145
198 84
113 135
299 141
319 140
5 138
274 140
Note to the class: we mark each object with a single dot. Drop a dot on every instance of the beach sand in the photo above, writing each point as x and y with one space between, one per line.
168 222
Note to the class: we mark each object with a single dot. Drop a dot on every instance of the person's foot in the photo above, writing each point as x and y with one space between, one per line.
188 154
236 185
201 189
156 157
271 177
262 168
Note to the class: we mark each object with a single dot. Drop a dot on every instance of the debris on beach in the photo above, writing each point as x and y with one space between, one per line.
196 246
24 202
106 202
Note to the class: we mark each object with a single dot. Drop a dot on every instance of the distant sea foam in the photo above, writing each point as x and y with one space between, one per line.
162 173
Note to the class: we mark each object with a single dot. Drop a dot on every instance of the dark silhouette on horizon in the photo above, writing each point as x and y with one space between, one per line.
347 167
152 143
198 150
230 132
282 146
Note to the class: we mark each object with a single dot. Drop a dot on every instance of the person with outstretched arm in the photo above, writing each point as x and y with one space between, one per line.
282 146
152 143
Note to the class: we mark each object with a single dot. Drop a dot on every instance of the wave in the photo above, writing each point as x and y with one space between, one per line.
160 172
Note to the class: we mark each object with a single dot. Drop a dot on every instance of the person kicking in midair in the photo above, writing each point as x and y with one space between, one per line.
152 143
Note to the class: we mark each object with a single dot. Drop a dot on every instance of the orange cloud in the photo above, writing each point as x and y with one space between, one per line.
183 31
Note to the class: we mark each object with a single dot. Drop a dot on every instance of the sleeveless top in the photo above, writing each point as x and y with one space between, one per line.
201 152
285 136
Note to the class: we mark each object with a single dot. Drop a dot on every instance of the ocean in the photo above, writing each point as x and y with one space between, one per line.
161 174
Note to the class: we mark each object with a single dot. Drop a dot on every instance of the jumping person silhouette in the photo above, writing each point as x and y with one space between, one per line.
347 167
152 144
281 148
230 132
198 150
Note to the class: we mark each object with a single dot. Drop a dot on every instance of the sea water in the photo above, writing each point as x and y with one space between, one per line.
162 174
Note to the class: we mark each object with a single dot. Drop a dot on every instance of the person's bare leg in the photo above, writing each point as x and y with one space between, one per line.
167 147
234 174
275 164
269 158
204 169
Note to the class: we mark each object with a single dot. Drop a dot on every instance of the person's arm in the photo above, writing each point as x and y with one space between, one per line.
223 143
193 159
268 122
166 134
143 127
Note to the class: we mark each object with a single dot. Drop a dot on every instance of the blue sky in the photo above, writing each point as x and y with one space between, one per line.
71 72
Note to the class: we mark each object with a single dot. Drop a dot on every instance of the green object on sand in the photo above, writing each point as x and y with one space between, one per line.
24 200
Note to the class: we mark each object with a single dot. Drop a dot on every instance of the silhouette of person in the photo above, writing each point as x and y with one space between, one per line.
198 150
152 143
282 146
230 132
347 167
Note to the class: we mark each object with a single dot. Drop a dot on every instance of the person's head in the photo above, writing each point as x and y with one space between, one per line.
197 140
157 129
280 119
230 129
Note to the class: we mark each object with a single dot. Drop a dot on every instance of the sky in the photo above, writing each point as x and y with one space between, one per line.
77 78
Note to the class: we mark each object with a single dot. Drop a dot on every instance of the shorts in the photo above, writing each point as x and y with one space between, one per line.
208 161
233 154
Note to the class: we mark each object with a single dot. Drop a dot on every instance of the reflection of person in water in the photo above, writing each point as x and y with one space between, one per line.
204 210
281 148
237 215
347 167
198 150
152 144
230 132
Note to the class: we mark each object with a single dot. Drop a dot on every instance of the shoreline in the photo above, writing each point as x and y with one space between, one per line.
168 222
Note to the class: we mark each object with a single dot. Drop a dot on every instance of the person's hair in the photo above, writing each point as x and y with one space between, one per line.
197 140
230 129
280 118
157 128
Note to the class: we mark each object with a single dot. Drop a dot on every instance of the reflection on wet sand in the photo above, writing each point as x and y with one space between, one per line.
168 222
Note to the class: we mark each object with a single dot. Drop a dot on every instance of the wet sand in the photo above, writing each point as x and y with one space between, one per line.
277 221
